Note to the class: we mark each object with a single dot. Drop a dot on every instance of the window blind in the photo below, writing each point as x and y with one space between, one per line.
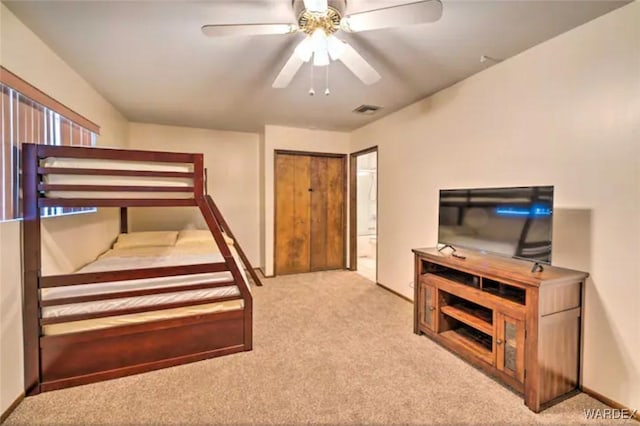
28 115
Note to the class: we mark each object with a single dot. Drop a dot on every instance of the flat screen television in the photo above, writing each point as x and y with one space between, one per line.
515 222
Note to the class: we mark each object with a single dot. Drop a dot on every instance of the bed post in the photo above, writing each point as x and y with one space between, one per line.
31 257
124 220
216 231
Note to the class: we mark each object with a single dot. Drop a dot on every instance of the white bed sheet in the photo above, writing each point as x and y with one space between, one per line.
145 257
111 262
164 256
138 301
142 284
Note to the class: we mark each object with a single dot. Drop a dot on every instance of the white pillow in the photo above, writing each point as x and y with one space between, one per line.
198 236
146 239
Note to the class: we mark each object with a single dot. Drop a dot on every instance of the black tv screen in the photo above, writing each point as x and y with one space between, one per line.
515 222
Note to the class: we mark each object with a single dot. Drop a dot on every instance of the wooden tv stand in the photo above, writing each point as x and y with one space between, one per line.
521 327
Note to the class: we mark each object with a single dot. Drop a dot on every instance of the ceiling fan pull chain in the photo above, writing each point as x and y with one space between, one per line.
311 91
327 92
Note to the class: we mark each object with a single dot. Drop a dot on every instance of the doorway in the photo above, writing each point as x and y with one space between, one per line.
310 212
364 213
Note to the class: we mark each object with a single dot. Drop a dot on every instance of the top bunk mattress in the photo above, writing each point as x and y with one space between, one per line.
95 163
103 180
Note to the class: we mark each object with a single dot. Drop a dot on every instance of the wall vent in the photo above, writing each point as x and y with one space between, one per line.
367 109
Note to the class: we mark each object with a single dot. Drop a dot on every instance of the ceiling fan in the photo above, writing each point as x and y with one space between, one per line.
320 20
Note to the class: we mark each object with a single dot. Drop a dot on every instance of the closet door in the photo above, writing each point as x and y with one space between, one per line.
335 213
319 214
310 213
293 214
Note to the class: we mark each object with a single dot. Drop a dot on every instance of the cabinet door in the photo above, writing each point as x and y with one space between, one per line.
427 307
509 345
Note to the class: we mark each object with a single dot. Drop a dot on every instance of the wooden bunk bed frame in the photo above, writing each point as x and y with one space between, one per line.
58 361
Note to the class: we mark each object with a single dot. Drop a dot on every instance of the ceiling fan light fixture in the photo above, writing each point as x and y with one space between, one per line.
321 58
304 50
319 40
336 47
320 48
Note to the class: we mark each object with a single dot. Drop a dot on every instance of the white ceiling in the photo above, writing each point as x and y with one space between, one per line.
151 60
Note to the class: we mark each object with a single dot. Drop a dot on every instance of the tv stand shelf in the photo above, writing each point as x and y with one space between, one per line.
521 327
468 343
468 318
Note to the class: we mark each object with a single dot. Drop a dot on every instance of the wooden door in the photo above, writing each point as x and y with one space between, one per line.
319 218
310 213
327 213
293 214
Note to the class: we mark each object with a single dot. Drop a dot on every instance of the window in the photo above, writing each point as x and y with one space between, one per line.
28 115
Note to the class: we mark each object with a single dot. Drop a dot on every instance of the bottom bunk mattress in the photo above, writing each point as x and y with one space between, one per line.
141 258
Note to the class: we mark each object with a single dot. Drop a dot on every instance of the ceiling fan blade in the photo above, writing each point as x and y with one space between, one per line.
395 16
357 65
226 30
288 72
316 6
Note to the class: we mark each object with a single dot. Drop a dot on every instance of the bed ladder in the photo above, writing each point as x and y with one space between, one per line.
227 230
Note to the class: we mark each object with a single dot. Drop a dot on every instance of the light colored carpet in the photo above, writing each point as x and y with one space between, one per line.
330 348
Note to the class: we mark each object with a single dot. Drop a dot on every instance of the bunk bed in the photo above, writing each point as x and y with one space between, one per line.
134 309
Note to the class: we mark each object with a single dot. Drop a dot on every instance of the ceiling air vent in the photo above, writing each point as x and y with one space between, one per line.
367 109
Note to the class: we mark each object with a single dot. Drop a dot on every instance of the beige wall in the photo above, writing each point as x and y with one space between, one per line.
26 55
294 139
233 172
564 113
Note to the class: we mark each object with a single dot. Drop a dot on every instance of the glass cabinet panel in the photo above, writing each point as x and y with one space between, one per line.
510 346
